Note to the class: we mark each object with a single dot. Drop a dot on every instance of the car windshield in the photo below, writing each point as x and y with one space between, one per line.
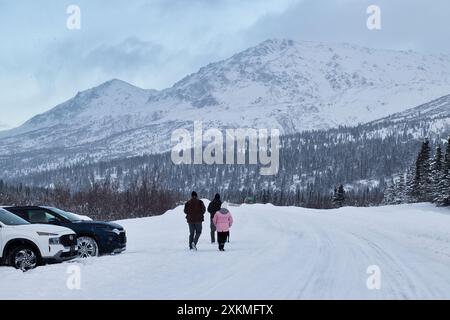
67 215
11 219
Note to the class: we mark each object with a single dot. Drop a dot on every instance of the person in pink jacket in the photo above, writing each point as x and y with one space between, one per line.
223 220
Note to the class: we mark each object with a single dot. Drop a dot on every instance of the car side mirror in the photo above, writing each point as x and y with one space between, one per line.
53 221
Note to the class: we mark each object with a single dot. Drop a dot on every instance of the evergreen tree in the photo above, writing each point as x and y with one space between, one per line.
264 197
399 190
442 194
389 193
422 179
436 174
339 196
409 185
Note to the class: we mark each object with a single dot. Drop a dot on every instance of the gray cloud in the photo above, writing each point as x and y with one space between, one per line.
129 55
406 24
153 43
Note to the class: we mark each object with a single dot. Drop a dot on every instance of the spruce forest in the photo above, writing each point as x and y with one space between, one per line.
368 165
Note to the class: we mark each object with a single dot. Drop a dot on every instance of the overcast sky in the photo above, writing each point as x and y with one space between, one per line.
154 43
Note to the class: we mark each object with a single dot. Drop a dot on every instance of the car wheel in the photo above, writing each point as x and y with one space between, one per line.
87 247
24 258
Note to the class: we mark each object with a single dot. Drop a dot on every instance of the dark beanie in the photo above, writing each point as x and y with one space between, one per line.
217 196
194 194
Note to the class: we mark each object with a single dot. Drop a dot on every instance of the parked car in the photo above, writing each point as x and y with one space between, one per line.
94 237
25 246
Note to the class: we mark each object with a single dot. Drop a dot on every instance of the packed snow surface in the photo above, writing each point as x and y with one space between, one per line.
274 253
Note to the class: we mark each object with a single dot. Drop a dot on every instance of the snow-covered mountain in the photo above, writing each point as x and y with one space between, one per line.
434 110
3 126
283 84
430 119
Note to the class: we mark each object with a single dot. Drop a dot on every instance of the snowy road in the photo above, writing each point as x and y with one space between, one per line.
275 253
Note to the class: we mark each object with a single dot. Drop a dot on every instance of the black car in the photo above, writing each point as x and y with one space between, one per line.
94 237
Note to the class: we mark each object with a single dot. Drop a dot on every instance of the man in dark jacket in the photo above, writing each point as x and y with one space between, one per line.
194 209
213 207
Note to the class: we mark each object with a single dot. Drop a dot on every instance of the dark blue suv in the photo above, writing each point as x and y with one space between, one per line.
94 237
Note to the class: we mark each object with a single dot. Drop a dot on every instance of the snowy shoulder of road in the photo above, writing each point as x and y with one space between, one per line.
274 253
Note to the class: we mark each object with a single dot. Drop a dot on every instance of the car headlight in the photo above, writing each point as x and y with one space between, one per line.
54 241
46 234
116 231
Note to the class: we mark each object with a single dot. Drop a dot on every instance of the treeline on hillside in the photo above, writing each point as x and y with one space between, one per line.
105 201
427 180
311 165
102 201
307 198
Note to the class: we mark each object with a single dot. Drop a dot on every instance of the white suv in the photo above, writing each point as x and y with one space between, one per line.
25 246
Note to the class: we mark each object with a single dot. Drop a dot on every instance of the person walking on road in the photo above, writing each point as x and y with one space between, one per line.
194 210
213 207
223 221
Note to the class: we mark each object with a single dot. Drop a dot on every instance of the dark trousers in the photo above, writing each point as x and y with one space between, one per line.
195 230
222 238
213 231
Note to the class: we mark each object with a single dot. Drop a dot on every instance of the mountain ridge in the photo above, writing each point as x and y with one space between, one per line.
284 84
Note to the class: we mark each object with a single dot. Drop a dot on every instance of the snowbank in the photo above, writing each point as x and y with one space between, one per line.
275 253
